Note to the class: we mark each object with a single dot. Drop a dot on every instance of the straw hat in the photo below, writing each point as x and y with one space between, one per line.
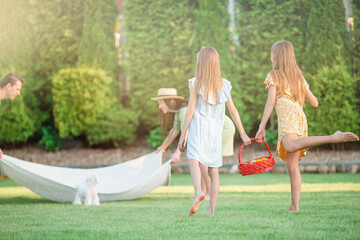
166 93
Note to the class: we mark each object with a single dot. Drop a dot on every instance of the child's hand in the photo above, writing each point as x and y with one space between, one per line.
182 143
245 139
261 135
160 148
175 157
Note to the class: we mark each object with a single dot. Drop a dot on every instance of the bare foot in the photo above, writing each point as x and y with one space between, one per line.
293 209
344 137
195 205
207 197
211 212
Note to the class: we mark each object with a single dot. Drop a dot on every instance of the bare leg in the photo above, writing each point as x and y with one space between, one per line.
196 178
215 182
292 145
205 181
292 165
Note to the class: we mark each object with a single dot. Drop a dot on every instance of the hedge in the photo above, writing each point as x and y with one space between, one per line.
162 38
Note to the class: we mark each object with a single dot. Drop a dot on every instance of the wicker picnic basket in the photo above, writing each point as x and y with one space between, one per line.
258 165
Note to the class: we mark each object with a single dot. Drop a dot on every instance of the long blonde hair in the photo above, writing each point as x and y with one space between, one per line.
207 72
286 69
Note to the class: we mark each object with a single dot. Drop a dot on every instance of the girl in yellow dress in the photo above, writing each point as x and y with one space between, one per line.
287 92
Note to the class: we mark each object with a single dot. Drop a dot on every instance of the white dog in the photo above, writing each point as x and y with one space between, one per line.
87 192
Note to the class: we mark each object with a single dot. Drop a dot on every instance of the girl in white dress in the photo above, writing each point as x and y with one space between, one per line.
204 119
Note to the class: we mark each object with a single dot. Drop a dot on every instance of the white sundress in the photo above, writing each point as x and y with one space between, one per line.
206 126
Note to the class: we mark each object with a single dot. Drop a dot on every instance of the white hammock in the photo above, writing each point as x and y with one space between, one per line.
124 181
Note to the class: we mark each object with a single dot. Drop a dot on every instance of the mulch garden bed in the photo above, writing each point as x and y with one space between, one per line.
77 155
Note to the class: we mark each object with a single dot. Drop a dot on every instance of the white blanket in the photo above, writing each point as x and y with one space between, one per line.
124 181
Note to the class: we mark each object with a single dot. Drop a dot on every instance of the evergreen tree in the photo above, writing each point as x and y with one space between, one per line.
18 119
326 36
356 37
16 38
212 29
96 45
259 25
328 63
56 41
355 33
159 44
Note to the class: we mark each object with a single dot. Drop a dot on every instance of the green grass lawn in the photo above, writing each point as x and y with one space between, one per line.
251 207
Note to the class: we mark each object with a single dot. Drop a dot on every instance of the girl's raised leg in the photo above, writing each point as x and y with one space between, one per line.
293 144
196 178
214 191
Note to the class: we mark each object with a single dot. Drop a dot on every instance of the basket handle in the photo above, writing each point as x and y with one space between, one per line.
252 139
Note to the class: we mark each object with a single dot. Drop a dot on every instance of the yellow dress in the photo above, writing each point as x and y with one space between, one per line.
291 118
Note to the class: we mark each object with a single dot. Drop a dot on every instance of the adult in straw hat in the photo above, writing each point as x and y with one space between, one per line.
172 111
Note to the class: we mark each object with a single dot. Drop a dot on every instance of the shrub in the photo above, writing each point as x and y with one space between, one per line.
335 89
155 137
81 95
271 137
51 141
16 121
115 125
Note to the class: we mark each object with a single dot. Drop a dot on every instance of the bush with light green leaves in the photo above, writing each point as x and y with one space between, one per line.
115 126
17 123
335 90
81 95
